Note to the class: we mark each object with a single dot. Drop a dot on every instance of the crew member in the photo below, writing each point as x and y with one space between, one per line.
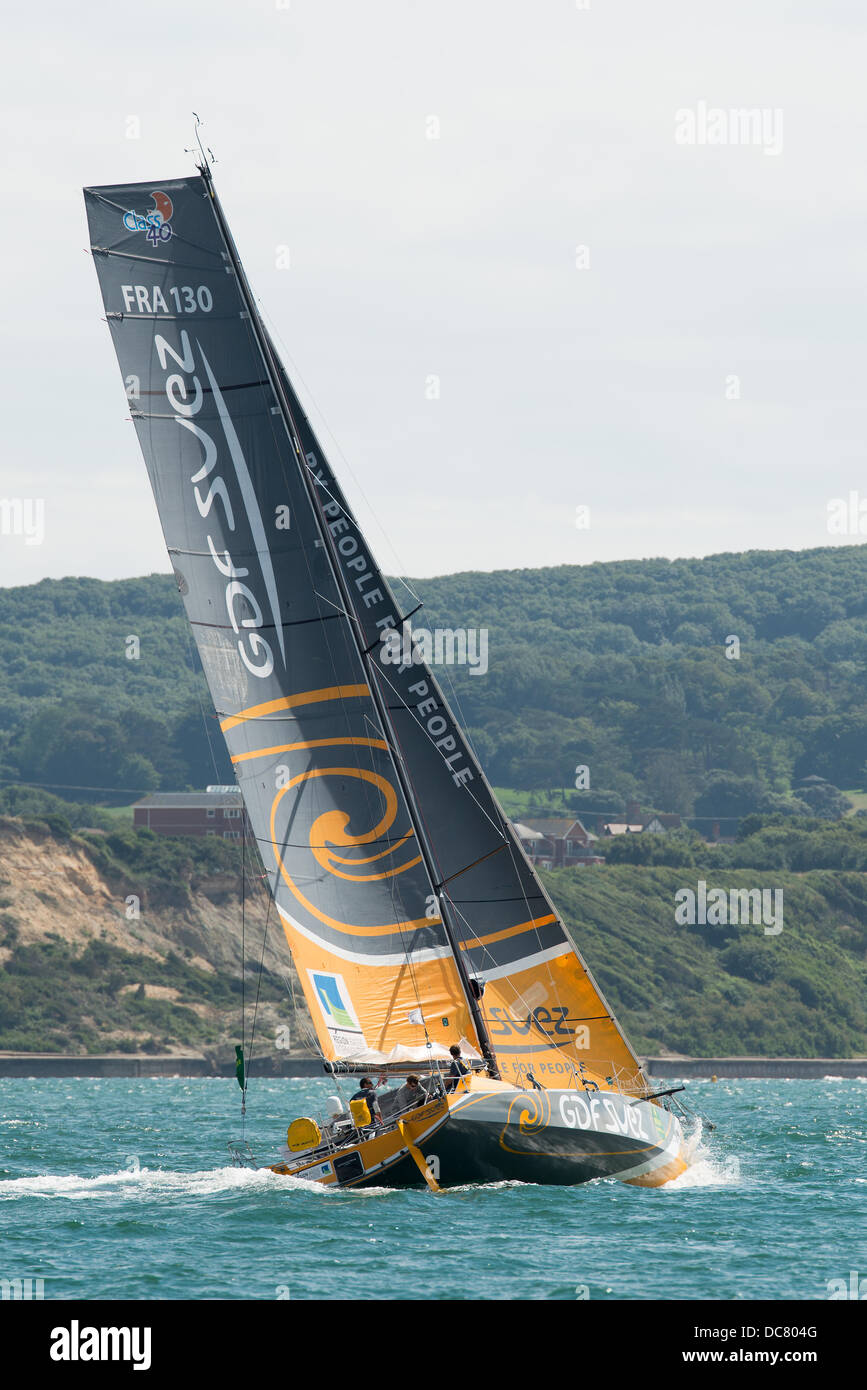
457 1068
411 1094
367 1093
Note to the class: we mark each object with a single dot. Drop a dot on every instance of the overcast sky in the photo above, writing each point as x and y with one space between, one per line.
695 377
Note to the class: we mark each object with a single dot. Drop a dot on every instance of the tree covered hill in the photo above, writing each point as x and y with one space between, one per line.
731 990
628 668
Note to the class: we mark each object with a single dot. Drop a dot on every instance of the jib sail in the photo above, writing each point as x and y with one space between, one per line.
541 1009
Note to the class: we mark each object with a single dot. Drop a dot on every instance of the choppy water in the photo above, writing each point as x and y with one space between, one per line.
123 1189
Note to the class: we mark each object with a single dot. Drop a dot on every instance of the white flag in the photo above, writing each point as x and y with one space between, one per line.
415 1016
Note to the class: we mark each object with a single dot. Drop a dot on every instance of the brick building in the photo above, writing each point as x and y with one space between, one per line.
556 842
215 811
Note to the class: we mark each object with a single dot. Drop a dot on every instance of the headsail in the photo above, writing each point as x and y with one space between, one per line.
414 918
541 1008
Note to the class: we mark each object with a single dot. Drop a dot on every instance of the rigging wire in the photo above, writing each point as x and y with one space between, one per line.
296 376
206 720
501 825
259 979
244 983
464 786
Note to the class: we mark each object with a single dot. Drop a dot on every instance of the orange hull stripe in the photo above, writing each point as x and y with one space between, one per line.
509 931
306 697
310 743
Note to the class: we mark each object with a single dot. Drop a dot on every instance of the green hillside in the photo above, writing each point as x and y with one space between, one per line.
631 669
725 991
621 667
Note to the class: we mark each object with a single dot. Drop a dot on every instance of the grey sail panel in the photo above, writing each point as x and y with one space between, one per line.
290 689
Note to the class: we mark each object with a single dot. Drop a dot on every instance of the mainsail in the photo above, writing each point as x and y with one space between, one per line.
413 916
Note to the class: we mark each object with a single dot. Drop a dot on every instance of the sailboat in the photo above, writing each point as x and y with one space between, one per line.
415 920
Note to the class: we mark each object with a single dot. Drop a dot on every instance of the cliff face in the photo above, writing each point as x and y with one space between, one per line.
136 969
52 889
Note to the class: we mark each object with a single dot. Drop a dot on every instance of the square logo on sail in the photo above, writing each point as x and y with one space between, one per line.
340 1017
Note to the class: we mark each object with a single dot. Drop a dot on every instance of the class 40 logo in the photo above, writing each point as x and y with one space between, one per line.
156 223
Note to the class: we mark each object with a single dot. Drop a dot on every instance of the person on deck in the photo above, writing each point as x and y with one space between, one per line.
457 1069
367 1093
411 1094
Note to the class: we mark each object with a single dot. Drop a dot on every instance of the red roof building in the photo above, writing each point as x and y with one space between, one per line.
556 842
215 811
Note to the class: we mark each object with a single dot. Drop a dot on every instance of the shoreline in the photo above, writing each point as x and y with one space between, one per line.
129 1064
35 1065
746 1068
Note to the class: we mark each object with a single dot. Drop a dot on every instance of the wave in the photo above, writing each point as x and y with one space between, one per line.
706 1170
705 1167
146 1183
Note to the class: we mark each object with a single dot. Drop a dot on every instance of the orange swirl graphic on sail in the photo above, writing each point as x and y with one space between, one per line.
330 829
287 702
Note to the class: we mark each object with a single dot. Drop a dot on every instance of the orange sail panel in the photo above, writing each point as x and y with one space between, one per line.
548 1017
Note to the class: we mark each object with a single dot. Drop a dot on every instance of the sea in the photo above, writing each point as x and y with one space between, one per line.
125 1189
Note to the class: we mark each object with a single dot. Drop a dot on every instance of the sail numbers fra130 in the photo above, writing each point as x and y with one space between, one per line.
144 299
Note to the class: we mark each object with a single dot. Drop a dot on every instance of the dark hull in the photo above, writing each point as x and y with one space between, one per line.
542 1137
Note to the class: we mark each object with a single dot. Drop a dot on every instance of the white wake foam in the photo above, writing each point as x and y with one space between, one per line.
706 1170
147 1183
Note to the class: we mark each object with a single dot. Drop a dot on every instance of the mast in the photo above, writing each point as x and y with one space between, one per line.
365 654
